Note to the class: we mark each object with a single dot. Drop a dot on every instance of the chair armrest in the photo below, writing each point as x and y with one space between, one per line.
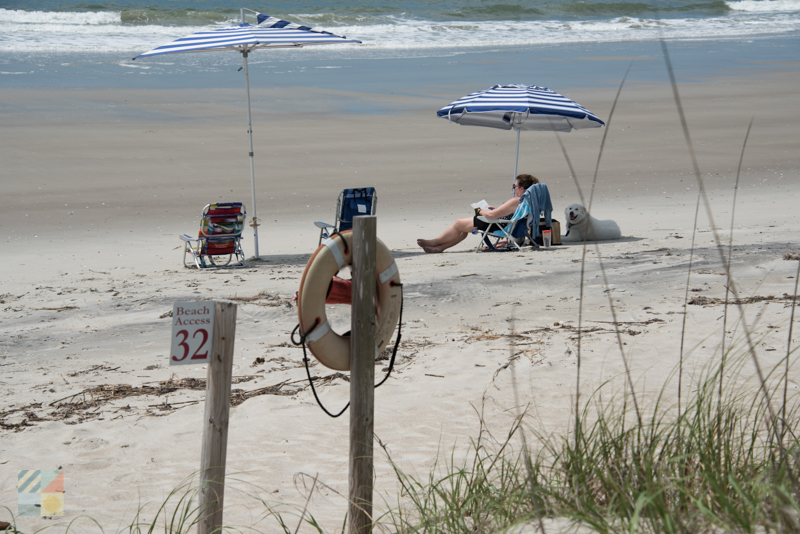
319 224
493 221
187 238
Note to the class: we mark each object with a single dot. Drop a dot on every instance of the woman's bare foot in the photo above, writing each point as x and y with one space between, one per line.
428 246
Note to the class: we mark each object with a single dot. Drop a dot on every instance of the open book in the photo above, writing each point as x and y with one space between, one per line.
480 205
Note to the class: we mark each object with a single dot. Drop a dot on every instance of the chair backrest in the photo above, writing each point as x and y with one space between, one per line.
221 225
354 202
538 196
520 220
222 220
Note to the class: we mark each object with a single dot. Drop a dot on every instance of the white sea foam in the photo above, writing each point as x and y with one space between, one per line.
417 34
38 31
766 6
19 16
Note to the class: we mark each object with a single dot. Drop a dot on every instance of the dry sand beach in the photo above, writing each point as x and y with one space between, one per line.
98 187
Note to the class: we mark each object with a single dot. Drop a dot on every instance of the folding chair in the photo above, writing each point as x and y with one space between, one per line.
514 229
218 243
351 202
534 205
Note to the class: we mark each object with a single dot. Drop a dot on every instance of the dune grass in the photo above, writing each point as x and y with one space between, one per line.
717 465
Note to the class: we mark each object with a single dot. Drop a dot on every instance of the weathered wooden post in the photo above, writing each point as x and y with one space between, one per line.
215 422
362 374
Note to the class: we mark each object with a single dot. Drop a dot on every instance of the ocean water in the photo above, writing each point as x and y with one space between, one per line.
74 43
394 27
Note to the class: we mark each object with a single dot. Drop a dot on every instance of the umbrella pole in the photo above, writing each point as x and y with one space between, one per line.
254 223
516 161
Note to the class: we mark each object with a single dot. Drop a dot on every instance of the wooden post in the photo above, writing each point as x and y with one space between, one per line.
362 374
215 422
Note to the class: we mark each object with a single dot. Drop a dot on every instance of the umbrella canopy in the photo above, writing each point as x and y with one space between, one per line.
270 32
520 107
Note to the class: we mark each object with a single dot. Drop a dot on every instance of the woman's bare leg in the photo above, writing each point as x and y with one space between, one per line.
453 235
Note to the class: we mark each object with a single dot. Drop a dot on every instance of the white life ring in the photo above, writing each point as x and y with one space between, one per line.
334 254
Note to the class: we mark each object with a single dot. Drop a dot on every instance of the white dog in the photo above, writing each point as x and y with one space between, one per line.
582 226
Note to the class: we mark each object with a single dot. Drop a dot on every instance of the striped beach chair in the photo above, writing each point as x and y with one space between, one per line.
219 242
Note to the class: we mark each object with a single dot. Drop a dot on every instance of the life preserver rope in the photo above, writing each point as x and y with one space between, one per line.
389 288
334 254
302 341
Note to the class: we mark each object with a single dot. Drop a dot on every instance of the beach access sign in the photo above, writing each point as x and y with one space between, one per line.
192 331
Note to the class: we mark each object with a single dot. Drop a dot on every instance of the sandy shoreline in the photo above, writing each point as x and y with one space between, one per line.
101 183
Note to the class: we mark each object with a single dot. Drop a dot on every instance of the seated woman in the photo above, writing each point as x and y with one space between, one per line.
461 228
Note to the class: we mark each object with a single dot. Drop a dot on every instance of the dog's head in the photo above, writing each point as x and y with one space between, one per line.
575 214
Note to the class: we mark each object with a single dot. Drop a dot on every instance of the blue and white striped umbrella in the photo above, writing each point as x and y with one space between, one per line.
270 32
520 107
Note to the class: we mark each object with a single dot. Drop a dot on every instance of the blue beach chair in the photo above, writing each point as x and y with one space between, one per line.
535 209
351 203
513 230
